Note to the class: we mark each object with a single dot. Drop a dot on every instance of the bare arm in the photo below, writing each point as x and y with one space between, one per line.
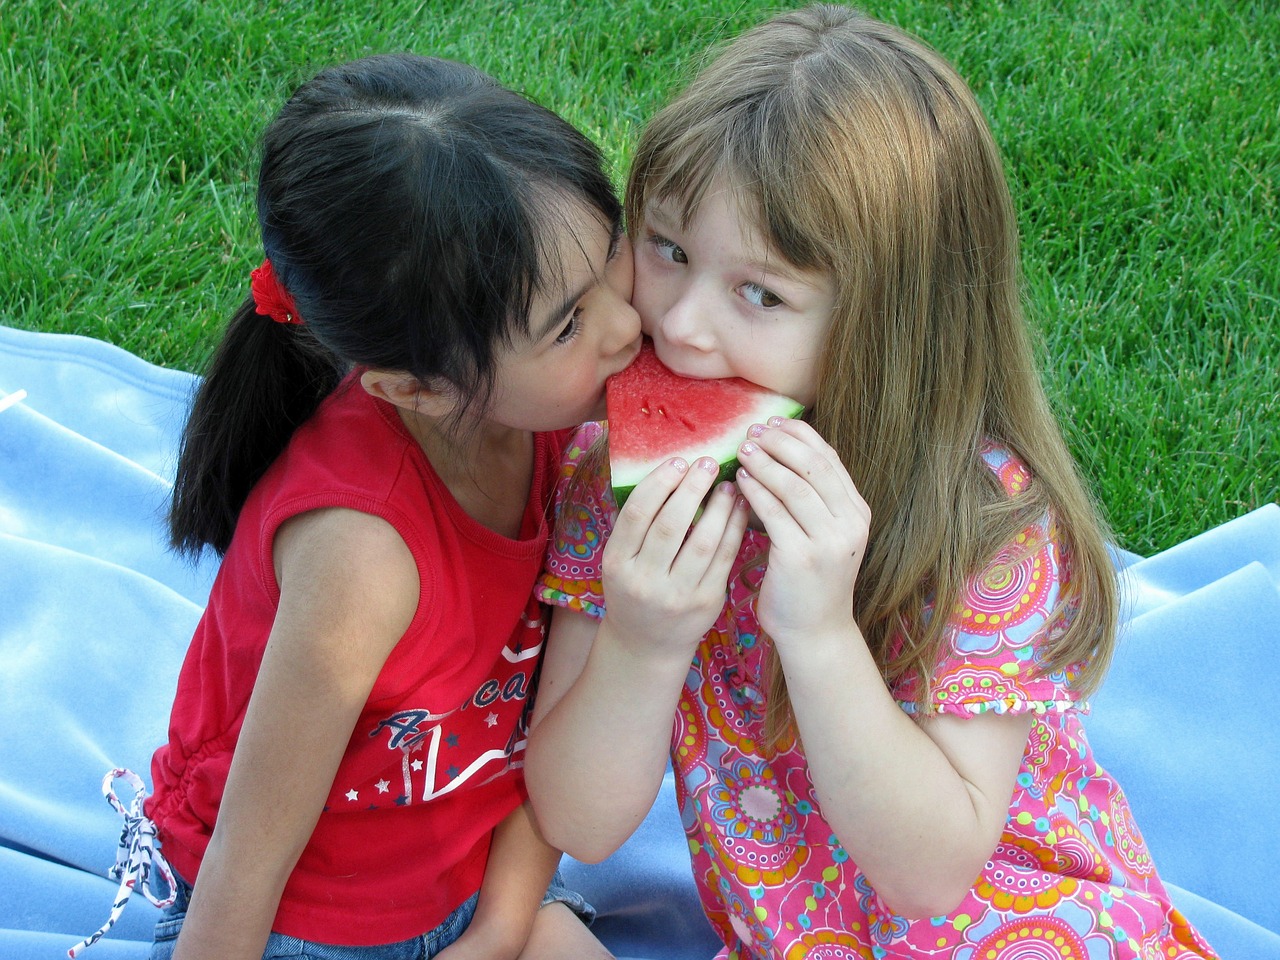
919 807
606 704
341 612
521 865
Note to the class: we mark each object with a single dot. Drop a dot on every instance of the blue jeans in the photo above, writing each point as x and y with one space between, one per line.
422 947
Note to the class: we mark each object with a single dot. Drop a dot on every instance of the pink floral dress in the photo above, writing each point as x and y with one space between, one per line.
1070 879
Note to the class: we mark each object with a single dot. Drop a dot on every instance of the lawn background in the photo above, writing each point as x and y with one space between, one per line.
1141 139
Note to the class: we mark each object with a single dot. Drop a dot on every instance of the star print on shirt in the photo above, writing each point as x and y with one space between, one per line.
353 795
383 785
491 720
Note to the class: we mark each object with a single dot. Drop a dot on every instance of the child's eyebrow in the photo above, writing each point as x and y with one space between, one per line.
664 215
556 315
781 269
663 211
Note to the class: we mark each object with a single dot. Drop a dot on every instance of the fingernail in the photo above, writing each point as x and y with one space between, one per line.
741 503
775 421
742 474
680 464
748 448
756 430
706 463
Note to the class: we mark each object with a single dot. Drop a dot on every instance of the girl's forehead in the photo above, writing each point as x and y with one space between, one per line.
719 193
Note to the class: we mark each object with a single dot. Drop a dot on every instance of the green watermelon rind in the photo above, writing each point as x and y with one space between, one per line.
723 450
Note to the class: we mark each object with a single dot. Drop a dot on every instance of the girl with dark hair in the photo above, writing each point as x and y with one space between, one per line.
373 452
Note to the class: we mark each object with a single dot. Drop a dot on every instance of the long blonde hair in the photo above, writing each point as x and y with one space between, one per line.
865 155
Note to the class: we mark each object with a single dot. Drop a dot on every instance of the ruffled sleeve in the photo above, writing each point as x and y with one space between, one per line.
1008 615
585 512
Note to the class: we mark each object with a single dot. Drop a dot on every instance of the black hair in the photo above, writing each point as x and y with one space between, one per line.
404 203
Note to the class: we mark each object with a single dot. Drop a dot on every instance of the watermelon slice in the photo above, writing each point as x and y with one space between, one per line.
655 415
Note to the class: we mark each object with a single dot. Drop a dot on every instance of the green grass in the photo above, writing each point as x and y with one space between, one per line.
1141 138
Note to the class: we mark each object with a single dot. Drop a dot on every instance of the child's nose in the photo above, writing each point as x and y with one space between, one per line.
685 322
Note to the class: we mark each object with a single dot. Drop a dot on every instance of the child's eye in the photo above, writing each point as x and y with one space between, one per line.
668 250
572 328
761 297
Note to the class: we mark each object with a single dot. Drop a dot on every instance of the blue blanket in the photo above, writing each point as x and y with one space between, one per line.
95 615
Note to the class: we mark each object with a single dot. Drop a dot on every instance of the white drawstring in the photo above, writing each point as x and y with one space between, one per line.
135 855
12 399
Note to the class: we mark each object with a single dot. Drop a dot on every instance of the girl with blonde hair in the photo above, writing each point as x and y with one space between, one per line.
877 742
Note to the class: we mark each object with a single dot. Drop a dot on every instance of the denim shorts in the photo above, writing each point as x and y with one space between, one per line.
415 948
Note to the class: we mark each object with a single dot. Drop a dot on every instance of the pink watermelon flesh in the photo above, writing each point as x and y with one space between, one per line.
655 415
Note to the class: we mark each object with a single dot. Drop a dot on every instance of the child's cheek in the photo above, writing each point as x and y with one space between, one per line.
621 272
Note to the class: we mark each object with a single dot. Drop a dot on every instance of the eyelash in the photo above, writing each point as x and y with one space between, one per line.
572 328
764 292
665 246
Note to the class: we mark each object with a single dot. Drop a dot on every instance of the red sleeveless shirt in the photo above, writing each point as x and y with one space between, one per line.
434 761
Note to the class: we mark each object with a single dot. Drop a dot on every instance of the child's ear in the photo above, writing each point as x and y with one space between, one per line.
408 393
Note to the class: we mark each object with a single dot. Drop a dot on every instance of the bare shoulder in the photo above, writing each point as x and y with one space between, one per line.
346 574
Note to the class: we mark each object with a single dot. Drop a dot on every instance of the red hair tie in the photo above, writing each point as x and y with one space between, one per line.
271 299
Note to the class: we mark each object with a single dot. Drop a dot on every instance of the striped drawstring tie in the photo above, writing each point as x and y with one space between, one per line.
135 855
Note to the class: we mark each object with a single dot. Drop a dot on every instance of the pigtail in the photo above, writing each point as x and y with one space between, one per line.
264 379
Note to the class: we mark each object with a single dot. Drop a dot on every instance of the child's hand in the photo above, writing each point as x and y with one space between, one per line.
481 941
664 584
817 524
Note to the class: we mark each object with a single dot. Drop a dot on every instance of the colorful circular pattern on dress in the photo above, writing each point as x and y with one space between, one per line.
1040 745
1070 854
755 864
1013 475
1032 938
1128 839
715 695
1013 880
577 533
971 684
689 744
884 925
751 932
1006 593
747 803
828 945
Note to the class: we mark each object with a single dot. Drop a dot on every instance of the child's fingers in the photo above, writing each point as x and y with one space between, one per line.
658 523
802 471
773 513
783 498
798 445
730 542
647 498
703 548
